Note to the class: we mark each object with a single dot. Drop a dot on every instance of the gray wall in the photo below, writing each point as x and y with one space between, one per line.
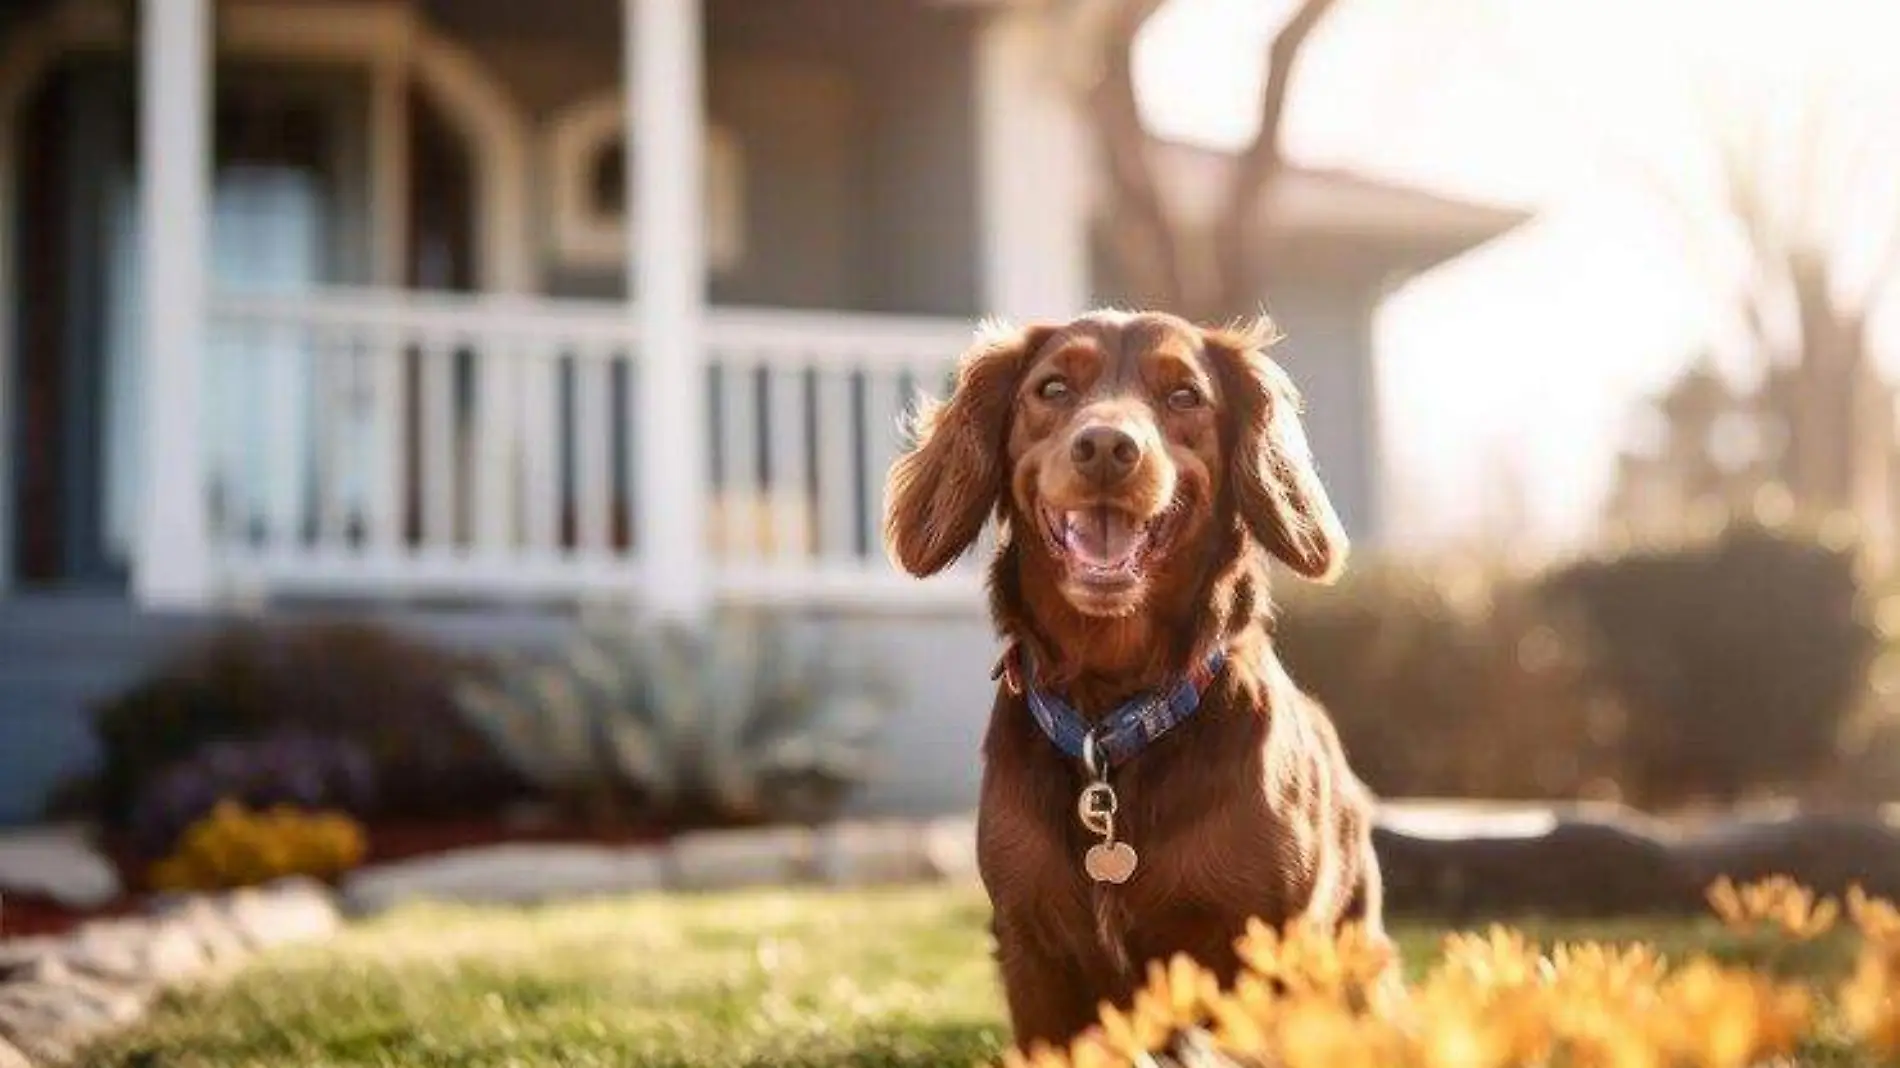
1328 353
931 758
60 655
855 119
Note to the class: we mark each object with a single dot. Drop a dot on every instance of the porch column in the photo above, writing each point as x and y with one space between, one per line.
1033 190
173 565
666 280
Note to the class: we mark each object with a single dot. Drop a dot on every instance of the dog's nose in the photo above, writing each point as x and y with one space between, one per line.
1105 454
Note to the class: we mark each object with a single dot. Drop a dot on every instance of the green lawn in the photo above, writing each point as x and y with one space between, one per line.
887 978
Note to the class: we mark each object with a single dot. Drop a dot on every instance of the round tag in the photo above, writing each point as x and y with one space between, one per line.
1110 862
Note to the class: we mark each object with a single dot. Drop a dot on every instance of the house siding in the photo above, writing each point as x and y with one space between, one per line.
60 656
860 165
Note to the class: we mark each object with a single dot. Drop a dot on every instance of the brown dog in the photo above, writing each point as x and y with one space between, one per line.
1135 464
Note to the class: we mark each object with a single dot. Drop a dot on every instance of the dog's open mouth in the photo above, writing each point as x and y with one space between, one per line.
1103 545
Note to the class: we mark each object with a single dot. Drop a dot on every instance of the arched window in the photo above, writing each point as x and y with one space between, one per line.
587 163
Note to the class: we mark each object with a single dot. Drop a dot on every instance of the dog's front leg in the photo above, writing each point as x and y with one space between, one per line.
1052 997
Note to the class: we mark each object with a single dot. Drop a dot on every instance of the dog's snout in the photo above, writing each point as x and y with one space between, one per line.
1105 454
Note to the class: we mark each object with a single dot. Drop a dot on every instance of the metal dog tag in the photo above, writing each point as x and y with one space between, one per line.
1110 862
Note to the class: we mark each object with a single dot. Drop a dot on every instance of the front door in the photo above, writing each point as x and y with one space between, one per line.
286 207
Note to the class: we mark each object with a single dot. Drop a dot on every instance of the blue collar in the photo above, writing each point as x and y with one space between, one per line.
1124 733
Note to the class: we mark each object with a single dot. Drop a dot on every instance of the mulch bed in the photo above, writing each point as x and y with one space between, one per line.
22 916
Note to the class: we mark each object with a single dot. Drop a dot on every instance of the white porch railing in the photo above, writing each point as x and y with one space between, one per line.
376 442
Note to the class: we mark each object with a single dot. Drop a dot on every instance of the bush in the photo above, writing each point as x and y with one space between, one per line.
236 846
386 695
1451 683
289 768
1710 670
1741 657
735 723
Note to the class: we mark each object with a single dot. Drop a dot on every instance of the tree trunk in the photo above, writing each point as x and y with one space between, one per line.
1212 273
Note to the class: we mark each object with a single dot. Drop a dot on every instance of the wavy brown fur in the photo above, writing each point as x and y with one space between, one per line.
1247 809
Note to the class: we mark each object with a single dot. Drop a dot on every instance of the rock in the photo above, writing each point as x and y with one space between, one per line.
950 845
724 860
1572 868
290 910
49 1019
505 875
1824 851
209 928
868 854
19 957
58 863
134 952
57 994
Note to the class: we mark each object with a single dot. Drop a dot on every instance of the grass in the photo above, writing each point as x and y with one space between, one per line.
802 979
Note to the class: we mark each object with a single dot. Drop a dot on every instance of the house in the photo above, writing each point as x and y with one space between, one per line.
328 302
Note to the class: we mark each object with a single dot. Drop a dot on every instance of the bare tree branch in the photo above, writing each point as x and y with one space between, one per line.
1263 160
1141 236
1157 257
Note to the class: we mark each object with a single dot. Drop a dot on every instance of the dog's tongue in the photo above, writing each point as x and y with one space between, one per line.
1103 537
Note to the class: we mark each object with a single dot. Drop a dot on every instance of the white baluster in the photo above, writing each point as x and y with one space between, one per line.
837 484
335 392
790 495
739 448
284 435
387 464
626 412
438 443
541 446
878 440
593 450
496 364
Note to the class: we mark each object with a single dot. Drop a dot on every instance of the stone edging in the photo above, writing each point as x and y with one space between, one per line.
58 994
841 854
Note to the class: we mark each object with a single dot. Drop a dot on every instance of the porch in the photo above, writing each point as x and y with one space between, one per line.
508 406
457 446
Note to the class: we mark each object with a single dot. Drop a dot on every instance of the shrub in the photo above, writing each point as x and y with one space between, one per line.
237 846
387 695
732 723
284 768
1741 657
1451 683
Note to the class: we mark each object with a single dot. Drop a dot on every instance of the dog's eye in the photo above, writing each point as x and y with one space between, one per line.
1184 398
1055 391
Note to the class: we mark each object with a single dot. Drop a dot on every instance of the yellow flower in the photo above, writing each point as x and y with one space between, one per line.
1317 1033
1777 902
1133 1033
1090 1051
1040 1055
1876 918
232 846
1869 1007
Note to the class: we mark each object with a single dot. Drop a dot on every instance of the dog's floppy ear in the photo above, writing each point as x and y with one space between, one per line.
941 490
1276 488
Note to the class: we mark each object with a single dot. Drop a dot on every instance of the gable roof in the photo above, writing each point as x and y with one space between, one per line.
1333 205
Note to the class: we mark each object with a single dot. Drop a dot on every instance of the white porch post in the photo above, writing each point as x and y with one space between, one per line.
666 275
1033 154
173 565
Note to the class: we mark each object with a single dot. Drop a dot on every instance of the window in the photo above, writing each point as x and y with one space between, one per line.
587 162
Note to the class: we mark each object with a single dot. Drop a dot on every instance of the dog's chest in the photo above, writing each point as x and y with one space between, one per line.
1198 878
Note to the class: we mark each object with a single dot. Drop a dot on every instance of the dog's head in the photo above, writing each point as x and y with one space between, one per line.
1118 449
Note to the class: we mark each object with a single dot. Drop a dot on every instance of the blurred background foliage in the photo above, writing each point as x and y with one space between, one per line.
1750 661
